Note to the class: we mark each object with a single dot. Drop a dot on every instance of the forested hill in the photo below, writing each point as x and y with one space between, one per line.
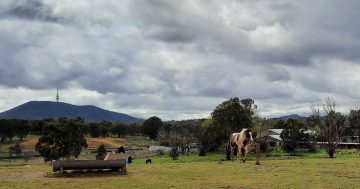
49 109
285 118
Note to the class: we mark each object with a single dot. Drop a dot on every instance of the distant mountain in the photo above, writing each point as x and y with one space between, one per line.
292 116
47 109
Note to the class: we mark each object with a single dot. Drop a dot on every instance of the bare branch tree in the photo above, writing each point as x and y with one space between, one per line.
330 123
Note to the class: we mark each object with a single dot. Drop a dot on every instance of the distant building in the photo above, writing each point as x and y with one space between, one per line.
271 138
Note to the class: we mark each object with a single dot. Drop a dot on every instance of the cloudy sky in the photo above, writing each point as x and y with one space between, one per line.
179 59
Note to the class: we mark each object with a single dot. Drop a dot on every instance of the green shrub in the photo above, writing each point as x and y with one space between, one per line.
202 151
174 153
16 149
312 149
101 152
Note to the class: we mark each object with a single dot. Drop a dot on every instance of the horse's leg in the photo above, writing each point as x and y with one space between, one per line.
238 156
243 156
246 150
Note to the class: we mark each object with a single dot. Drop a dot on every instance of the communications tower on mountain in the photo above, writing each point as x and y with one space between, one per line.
57 95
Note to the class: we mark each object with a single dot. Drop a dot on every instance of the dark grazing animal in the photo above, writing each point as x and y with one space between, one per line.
130 160
121 149
148 161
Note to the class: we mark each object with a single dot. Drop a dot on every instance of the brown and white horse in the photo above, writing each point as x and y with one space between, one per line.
240 143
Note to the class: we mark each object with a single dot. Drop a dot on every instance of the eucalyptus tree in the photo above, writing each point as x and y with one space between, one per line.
229 116
151 126
293 134
354 123
63 138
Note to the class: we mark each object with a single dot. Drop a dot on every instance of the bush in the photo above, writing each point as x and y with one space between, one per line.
11 151
51 154
174 153
289 147
160 152
312 148
164 143
63 138
263 147
101 152
16 149
202 151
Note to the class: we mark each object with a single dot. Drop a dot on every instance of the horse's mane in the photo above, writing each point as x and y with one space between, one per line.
246 131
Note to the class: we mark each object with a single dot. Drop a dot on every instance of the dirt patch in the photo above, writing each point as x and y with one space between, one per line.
108 142
29 144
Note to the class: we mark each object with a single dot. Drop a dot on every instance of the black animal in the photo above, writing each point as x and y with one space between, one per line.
148 161
130 160
121 149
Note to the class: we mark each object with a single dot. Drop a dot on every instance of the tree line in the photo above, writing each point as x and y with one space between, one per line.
213 133
325 125
10 128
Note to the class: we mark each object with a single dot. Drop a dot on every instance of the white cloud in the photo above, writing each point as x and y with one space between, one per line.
274 36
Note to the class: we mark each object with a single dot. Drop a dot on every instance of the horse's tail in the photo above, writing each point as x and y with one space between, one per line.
228 150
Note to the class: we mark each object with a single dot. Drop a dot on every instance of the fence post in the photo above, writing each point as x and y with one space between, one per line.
257 154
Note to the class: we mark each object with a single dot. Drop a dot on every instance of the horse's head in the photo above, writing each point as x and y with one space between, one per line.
249 135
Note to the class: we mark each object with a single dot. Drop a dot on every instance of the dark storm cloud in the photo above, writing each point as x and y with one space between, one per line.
9 69
172 35
276 73
31 9
323 28
167 21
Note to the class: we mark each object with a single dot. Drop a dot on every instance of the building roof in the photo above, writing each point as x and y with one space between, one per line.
278 131
277 137
272 138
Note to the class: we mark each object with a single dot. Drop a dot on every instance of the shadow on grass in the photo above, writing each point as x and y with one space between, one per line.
84 174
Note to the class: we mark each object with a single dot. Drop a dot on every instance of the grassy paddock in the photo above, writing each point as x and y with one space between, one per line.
198 172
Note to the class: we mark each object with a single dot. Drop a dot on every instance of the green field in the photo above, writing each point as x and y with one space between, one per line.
308 171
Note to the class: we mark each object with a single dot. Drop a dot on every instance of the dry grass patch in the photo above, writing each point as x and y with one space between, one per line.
108 142
296 173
